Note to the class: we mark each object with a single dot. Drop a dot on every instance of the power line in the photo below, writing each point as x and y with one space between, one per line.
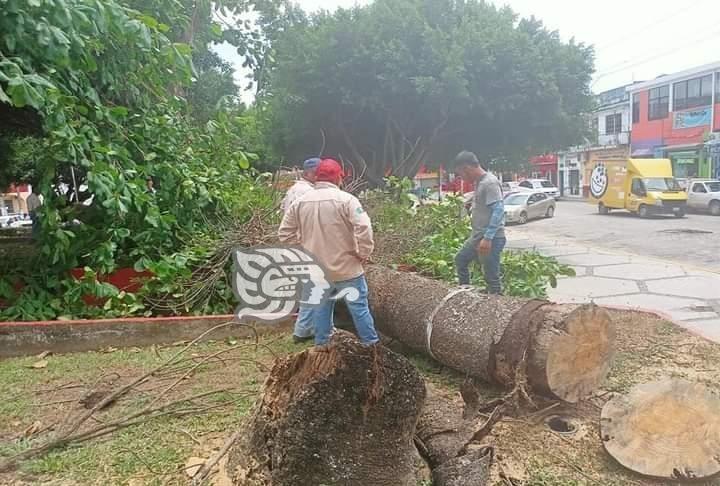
635 32
658 56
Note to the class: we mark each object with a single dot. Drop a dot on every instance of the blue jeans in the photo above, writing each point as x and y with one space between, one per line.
359 310
304 326
490 263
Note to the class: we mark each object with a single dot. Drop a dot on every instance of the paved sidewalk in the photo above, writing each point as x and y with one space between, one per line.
688 296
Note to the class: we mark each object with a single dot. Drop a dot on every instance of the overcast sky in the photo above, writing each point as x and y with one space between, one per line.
634 39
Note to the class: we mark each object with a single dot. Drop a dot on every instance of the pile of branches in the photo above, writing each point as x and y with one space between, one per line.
203 284
89 419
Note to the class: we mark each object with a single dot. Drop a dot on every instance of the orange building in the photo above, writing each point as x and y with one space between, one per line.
674 115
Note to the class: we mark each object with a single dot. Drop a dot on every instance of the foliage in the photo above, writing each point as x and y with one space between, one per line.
400 83
17 155
525 274
107 83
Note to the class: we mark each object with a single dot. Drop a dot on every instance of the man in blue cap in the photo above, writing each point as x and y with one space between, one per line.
305 184
304 328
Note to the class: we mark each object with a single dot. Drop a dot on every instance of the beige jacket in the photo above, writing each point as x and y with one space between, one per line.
297 191
332 225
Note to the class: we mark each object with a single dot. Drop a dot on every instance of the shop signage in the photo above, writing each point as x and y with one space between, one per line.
692 118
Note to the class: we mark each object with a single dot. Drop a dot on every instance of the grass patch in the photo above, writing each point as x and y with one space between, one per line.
155 453
152 453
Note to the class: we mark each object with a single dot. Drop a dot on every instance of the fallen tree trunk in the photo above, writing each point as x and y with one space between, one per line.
341 414
564 351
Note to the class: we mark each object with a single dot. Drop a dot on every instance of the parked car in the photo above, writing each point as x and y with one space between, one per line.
510 187
705 196
21 223
542 185
524 206
8 220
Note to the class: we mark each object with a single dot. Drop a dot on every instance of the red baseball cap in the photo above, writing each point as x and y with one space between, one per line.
329 170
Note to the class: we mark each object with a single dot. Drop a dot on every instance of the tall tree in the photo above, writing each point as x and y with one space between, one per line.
401 83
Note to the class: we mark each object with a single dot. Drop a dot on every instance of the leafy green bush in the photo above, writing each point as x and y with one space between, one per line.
106 84
525 274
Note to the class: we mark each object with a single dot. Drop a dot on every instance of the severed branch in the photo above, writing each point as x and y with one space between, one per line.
69 431
207 468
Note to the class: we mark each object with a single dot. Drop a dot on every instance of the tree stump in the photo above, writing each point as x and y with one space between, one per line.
443 434
564 351
341 414
668 429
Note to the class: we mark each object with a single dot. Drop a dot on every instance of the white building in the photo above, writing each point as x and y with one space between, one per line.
612 118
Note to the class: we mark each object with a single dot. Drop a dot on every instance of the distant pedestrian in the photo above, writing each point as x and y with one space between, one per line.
332 225
150 186
487 240
303 185
304 328
34 202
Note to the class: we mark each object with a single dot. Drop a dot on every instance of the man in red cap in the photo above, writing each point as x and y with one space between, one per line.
332 225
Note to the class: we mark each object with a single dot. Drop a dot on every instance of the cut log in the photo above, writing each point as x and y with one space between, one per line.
341 414
443 434
668 429
566 350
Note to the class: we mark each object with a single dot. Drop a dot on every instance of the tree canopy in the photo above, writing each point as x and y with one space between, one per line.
105 86
401 83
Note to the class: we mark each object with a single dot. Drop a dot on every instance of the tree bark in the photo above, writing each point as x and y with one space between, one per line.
341 414
443 433
563 350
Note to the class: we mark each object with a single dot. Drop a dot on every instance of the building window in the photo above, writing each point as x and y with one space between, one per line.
658 103
636 108
692 93
717 87
613 124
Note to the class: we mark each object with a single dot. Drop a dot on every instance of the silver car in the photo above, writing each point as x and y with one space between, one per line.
704 196
521 207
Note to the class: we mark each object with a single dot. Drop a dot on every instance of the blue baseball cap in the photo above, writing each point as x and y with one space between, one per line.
311 163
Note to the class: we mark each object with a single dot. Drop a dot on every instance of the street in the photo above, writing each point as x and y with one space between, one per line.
693 240
664 265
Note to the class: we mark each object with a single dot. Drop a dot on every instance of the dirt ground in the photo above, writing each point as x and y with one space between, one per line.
40 391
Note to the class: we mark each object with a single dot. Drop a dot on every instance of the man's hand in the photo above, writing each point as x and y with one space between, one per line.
483 248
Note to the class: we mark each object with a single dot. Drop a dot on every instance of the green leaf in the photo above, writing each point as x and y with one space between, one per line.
119 111
243 161
149 21
216 30
10 42
3 97
183 49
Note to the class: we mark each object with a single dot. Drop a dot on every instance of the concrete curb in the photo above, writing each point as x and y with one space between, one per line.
30 338
681 324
